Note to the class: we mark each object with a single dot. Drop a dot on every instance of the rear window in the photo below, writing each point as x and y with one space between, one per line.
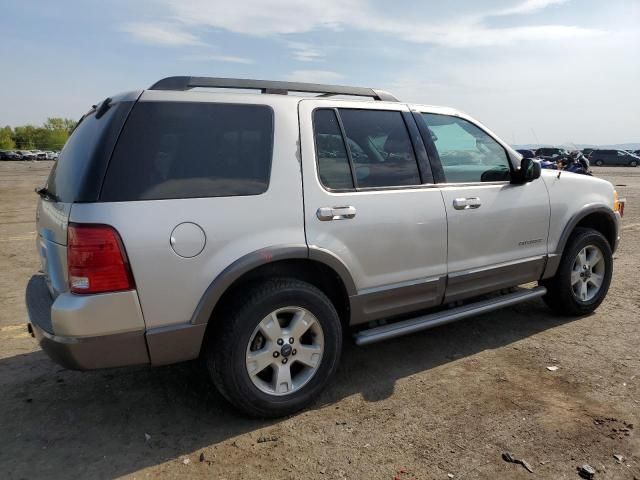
186 150
77 174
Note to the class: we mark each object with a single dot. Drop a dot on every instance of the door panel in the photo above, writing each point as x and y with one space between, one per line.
510 223
389 238
497 231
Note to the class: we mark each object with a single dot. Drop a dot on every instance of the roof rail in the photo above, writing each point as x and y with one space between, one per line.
268 86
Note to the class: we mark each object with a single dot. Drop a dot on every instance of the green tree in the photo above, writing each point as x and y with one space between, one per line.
25 137
6 139
52 135
55 123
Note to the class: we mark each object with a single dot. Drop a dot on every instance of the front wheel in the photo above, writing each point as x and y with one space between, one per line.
633 163
584 274
276 348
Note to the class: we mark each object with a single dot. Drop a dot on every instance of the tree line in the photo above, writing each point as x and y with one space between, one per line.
50 136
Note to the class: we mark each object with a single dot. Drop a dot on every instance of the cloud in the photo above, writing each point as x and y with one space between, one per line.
160 33
264 17
477 35
220 58
281 17
314 76
528 6
285 17
304 52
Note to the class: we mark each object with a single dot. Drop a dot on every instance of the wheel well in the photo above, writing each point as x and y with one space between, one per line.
317 274
602 223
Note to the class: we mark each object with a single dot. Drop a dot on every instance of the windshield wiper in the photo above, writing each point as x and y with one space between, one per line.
46 194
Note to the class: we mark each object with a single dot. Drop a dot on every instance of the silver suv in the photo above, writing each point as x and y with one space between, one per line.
259 231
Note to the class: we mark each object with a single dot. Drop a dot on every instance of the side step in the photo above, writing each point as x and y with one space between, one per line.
431 320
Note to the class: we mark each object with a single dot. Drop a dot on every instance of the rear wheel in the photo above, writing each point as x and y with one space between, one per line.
584 274
599 163
276 349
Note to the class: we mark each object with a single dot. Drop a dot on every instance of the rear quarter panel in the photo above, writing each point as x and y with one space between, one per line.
170 286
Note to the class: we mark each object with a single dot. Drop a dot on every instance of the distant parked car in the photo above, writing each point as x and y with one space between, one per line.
614 157
551 152
587 151
52 155
26 155
527 153
39 154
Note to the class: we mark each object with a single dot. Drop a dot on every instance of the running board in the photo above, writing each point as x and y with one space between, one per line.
431 320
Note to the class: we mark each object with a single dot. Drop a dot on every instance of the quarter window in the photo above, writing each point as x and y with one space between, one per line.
185 150
467 153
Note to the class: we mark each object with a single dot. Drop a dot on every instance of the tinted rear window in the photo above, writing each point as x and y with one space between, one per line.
186 150
77 174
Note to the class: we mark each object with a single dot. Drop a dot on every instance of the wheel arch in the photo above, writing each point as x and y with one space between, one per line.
597 217
313 265
319 267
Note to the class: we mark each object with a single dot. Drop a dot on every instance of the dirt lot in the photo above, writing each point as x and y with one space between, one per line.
446 401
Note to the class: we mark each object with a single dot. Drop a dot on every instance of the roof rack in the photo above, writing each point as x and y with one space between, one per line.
268 86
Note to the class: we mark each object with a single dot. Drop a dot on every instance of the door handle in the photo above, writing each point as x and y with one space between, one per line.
466 203
326 214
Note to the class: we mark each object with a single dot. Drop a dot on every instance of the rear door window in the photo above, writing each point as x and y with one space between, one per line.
378 152
331 154
381 149
187 150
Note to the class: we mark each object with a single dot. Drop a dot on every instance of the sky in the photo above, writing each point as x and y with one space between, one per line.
534 71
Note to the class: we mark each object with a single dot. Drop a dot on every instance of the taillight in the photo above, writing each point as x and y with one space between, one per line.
96 260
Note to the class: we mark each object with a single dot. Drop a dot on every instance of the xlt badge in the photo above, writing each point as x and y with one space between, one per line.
529 242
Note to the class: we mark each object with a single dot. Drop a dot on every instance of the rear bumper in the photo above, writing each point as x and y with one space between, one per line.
79 352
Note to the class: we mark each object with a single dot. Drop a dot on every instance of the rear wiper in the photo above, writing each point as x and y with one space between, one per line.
46 194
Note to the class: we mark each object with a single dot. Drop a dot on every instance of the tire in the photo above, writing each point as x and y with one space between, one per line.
633 163
241 333
599 163
563 297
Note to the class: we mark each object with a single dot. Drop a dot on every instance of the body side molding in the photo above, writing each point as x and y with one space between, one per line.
392 300
478 281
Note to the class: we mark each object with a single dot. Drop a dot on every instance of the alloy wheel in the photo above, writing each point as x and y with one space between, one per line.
587 274
285 351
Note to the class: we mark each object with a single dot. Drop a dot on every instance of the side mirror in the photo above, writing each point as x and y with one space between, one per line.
530 169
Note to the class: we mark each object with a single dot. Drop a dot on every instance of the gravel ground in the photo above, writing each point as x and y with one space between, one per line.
447 401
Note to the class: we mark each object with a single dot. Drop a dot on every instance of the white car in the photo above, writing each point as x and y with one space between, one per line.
260 231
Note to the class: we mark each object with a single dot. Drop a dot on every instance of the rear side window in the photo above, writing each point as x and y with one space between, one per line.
187 150
378 150
78 172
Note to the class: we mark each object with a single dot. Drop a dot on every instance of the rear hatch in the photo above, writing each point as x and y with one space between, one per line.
76 177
